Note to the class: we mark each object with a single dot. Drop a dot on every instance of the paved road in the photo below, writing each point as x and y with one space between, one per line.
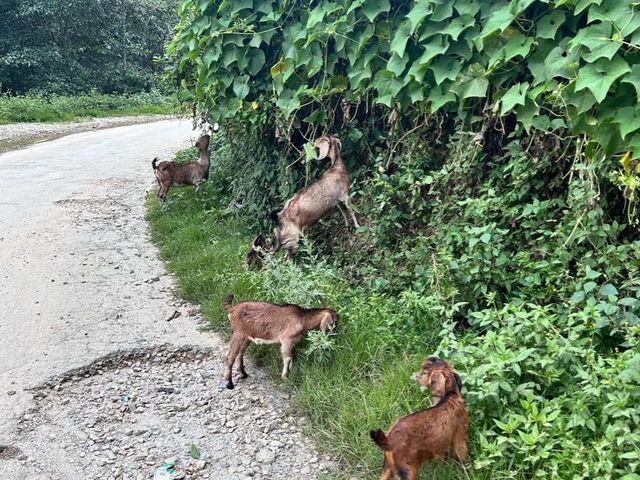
79 279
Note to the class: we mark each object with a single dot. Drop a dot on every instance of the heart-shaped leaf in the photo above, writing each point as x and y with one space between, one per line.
599 76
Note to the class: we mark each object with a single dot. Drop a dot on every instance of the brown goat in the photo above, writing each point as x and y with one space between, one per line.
428 434
263 322
312 203
257 251
176 174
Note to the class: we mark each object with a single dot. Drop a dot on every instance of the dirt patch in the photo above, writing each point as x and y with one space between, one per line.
128 411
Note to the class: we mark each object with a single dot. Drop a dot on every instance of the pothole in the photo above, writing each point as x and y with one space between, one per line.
7 452
122 415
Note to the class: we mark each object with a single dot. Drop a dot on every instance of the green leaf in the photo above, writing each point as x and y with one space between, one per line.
629 120
621 13
241 86
589 287
519 45
194 452
591 274
445 68
561 62
443 11
599 76
514 96
519 6
499 19
309 148
527 113
456 26
607 49
548 25
388 87
256 61
316 15
400 39
467 7
415 91
577 297
373 8
439 97
438 45
608 290
633 77
476 87
417 14
582 4
592 36
397 64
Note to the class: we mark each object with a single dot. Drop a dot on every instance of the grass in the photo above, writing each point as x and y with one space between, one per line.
60 108
355 382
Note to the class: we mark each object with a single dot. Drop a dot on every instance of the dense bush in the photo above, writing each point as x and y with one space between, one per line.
497 183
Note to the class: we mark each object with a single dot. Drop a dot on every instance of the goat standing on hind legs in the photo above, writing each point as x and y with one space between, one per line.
428 434
176 174
312 203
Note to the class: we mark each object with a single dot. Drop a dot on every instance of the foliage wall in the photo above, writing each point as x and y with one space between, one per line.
75 46
494 146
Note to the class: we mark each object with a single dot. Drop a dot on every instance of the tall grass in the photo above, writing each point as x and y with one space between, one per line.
59 108
362 381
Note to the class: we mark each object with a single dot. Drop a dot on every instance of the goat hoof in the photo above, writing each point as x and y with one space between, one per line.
230 385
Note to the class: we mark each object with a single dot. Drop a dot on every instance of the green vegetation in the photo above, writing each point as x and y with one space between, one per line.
75 46
60 108
494 150
551 370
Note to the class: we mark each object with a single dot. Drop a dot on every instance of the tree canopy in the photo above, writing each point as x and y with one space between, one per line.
77 45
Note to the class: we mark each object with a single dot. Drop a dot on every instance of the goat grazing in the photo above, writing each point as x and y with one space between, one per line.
262 322
427 434
256 253
176 174
312 203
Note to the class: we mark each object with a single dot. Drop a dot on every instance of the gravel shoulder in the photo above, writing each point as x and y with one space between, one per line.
18 135
104 371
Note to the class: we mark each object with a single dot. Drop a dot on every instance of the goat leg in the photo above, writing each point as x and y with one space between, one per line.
287 357
344 215
240 360
234 348
347 203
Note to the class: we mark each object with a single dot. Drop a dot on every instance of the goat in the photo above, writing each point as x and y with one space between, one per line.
427 434
312 203
263 322
256 253
176 174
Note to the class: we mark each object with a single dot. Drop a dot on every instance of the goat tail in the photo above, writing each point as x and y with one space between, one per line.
154 162
380 439
228 301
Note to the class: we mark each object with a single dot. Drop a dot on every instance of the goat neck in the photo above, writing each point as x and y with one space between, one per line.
336 159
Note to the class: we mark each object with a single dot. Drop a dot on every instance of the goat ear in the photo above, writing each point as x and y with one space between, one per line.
323 147
338 144
458 381
326 320
451 384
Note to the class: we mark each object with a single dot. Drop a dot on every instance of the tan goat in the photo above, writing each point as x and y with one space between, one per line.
263 322
428 434
312 203
177 174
